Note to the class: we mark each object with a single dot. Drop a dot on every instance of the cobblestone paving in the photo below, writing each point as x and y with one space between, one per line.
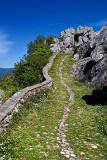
66 150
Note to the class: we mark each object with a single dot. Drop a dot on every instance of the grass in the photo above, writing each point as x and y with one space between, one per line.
32 132
87 124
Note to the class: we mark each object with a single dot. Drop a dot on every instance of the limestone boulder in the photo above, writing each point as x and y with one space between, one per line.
55 48
65 42
98 74
82 38
99 45
94 71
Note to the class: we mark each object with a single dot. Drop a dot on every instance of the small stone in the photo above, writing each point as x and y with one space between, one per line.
63 153
76 57
58 138
22 100
68 110
64 136
94 146
97 134
16 109
67 155
38 135
5 125
67 152
43 126
82 153
47 142
52 133
67 144
72 155
7 119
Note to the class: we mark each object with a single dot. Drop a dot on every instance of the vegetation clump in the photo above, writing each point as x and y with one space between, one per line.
28 70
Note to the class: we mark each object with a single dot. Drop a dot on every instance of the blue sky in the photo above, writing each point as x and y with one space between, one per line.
22 20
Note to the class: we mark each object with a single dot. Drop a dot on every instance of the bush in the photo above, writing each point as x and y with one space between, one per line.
31 45
42 51
28 71
50 40
26 75
8 81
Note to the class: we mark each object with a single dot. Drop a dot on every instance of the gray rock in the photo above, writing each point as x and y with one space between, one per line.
65 42
98 74
82 41
99 45
91 48
55 48
94 70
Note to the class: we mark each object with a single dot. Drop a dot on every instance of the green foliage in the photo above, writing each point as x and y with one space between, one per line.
9 85
28 71
36 62
26 75
50 40
42 51
31 45
8 81
39 40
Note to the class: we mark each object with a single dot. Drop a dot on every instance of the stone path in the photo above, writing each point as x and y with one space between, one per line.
66 150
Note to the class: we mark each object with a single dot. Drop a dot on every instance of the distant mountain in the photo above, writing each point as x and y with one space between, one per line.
4 71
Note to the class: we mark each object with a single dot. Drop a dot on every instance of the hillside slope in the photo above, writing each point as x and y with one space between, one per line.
34 131
4 71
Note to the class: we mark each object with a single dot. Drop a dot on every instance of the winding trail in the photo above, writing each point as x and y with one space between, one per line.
66 150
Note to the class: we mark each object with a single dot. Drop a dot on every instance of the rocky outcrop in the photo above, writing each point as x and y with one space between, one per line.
94 72
86 44
77 66
65 43
83 37
99 45
98 74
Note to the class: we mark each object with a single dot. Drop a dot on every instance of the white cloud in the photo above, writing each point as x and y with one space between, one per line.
4 43
99 23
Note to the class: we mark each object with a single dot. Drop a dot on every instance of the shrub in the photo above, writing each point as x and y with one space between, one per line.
50 40
31 45
26 75
42 51
8 81
28 71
